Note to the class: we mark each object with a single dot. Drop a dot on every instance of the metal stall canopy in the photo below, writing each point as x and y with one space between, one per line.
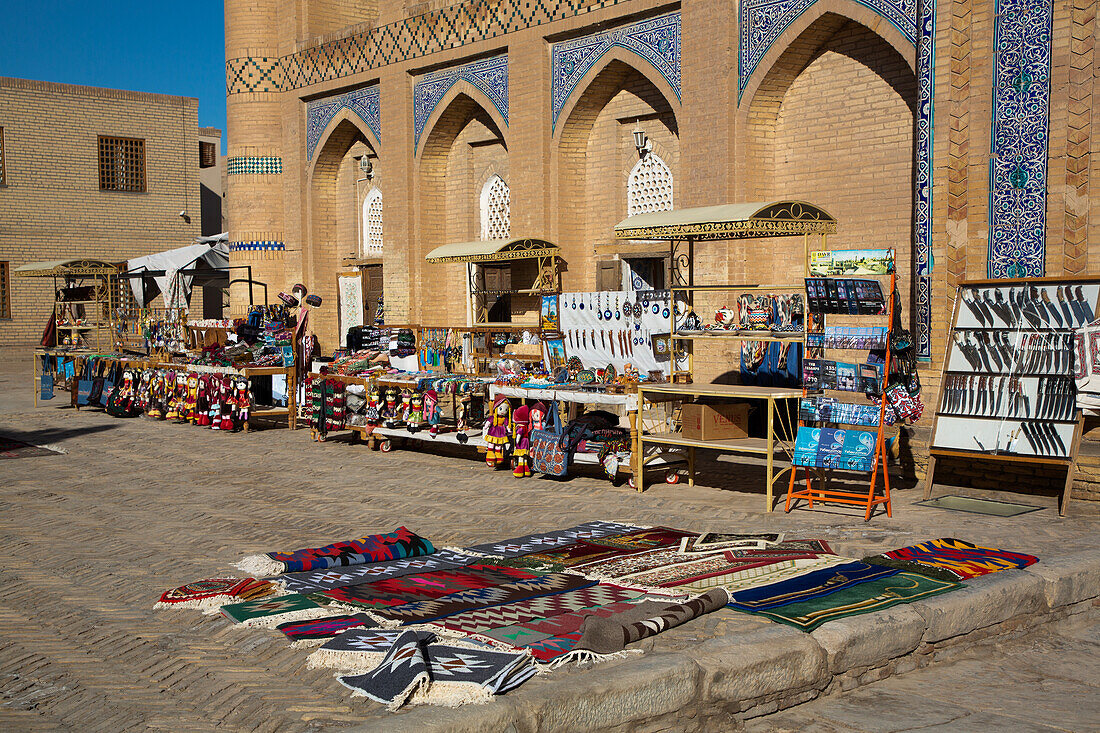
65 268
498 252
172 273
729 221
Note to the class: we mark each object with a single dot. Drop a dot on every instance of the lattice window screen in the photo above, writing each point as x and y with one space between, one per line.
649 187
372 224
121 164
495 209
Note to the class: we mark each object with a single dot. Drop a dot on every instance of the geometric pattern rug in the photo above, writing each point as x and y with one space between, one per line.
11 448
964 559
329 578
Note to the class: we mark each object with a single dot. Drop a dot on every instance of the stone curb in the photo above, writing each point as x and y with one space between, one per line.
772 666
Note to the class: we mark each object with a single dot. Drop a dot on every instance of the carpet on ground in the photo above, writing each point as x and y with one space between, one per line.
611 634
605 548
541 542
360 649
311 632
329 578
272 612
213 593
417 671
714 541
962 558
864 597
400 543
733 573
813 584
425 586
11 448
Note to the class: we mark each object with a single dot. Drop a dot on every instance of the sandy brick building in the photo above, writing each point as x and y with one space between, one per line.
882 112
58 201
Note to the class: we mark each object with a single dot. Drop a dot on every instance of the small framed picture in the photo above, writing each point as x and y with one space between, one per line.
549 321
555 354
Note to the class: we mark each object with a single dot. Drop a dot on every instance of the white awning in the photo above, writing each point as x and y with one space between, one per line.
729 221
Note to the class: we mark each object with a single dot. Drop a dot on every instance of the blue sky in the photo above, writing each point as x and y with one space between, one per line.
169 48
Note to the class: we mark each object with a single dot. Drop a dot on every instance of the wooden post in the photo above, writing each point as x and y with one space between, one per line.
771 449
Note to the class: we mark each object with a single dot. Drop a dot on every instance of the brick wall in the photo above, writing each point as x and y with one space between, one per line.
52 207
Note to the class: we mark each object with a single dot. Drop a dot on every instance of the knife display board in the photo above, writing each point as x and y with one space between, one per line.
1008 389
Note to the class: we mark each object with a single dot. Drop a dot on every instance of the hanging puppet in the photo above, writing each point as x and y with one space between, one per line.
432 413
498 429
521 442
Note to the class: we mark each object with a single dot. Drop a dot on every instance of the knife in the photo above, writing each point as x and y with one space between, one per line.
1065 306
984 342
981 353
1030 438
1000 397
987 305
1002 308
973 306
1012 301
1087 314
1051 307
1054 434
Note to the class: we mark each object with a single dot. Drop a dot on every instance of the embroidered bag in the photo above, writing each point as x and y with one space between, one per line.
547 453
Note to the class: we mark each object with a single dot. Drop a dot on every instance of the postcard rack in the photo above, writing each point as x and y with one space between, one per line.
1008 390
847 440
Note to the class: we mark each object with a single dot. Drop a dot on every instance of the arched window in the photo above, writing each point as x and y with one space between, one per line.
372 224
649 187
495 209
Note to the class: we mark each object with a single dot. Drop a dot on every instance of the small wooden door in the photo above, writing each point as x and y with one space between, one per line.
372 293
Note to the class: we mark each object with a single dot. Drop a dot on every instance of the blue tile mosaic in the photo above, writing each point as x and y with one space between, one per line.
256 245
1018 157
489 75
363 103
254 164
657 40
763 21
922 204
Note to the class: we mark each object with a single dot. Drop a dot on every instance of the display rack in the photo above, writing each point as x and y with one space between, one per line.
85 297
1008 390
848 458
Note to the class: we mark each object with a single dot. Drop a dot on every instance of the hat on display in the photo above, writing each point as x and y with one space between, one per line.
313 300
288 300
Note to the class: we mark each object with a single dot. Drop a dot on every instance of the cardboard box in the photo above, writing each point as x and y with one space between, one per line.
714 422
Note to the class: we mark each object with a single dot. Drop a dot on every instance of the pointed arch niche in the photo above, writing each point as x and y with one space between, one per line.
371 227
496 209
832 121
463 148
596 157
649 187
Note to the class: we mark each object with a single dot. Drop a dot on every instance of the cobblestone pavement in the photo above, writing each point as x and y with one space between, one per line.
92 537
1043 683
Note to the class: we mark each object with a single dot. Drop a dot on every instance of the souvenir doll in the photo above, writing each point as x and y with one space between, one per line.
498 431
415 416
214 401
174 392
225 397
336 403
373 415
126 391
190 409
242 402
202 402
521 442
156 396
432 412
538 416
405 408
389 408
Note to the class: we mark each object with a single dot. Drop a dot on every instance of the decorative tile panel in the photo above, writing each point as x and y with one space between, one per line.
410 38
763 21
489 75
922 199
254 164
1018 159
656 40
256 245
363 103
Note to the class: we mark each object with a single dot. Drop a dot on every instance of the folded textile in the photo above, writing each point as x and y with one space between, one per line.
908 566
440 674
543 541
213 593
603 548
398 544
865 597
360 649
329 578
962 558
607 635
316 631
449 605
805 587
424 586
528 632
271 613
730 571
716 541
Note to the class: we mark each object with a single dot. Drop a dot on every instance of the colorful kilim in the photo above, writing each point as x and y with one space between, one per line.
449 605
509 614
962 558
545 541
907 566
274 611
360 649
373 548
605 548
635 563
732 573
440 673
224 589
408 588
806 587
324 628
564 623
315 580
872 595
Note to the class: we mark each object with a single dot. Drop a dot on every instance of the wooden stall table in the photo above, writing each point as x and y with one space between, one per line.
248 372
757 446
